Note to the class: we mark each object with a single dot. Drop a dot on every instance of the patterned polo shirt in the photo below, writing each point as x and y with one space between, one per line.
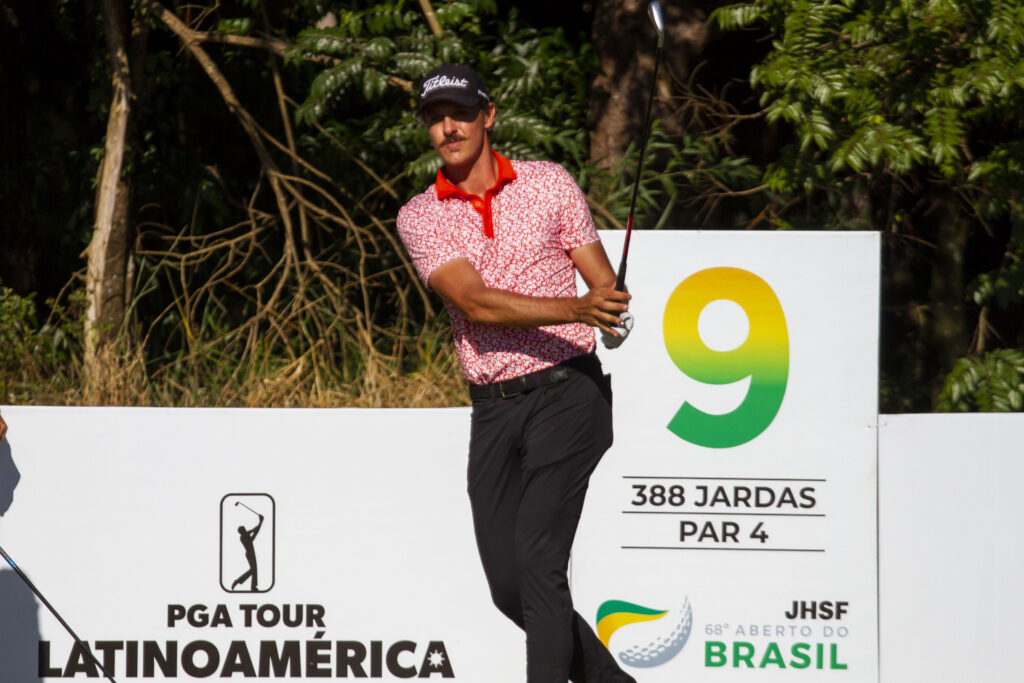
518 238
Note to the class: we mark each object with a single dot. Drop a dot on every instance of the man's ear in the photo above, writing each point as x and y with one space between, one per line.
489 115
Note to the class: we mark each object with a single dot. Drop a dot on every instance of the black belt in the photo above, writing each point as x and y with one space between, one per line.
541 378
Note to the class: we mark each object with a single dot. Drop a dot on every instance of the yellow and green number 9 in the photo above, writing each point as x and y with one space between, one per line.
763 356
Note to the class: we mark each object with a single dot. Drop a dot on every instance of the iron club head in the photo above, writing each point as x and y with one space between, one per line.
654 11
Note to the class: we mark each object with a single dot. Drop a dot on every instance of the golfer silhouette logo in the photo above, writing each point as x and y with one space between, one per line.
247 543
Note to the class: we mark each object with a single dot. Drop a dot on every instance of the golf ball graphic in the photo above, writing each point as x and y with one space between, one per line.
659 635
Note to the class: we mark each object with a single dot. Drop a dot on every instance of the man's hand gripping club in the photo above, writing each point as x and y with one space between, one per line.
615 321
592 262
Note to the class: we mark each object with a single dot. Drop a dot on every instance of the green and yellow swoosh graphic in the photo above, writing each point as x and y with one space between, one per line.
614 614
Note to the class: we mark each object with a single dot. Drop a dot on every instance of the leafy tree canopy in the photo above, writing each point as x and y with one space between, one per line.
380 52
889 86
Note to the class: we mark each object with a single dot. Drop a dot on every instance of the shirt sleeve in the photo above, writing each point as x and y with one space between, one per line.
576 225
418 227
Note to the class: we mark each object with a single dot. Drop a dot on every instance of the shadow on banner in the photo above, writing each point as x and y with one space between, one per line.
19 622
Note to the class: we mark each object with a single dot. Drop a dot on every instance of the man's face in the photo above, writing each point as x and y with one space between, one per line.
458 132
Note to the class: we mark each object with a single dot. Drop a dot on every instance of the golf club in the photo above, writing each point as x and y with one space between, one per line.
238 502
654 12
63 623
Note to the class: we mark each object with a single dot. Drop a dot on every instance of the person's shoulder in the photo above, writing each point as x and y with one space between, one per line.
547 171
418 205
425 198
537 167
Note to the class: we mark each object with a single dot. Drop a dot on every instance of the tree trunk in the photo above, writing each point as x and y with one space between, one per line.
625 42
108 252
947 328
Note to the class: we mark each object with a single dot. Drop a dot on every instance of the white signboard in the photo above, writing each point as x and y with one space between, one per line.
358 559
730 532
950 547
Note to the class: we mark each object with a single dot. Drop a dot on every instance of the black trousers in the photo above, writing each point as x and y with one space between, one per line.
530 461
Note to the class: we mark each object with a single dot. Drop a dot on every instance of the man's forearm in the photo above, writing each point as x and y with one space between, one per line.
501 307
599 307
459 283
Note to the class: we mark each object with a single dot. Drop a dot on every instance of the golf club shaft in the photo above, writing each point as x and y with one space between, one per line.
248 508
620 280
63 623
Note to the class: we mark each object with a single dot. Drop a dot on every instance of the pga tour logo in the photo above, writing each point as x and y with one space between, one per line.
247 543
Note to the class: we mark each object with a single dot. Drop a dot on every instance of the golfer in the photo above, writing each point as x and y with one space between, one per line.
501 242
246 537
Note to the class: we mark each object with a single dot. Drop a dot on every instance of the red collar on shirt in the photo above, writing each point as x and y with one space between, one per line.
445 189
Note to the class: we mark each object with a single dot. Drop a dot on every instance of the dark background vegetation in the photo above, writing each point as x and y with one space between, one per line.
268 146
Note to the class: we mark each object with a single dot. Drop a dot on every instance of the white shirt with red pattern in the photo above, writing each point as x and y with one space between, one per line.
538 215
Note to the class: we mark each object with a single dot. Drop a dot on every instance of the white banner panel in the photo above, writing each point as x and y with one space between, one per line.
950 547
730 532
128 520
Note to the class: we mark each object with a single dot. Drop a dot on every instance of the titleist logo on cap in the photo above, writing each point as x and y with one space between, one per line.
456 83
442 81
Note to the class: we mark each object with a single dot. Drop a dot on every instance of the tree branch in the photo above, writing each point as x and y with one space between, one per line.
274 46
428 12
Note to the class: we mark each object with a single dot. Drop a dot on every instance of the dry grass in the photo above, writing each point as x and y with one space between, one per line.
42 365
439 384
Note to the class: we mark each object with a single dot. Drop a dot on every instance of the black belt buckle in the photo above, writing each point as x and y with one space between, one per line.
518 382
517 385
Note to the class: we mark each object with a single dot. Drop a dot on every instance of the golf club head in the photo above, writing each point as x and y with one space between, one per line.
654 11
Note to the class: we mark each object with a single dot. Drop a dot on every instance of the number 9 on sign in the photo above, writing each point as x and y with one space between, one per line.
763 356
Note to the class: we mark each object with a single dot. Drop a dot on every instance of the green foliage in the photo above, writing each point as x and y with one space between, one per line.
371 44
991 383
239 25
537 79
695 170
1003 287
37 358
888 87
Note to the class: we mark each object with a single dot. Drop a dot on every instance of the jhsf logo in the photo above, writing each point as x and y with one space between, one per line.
247 542
762 355
653 643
